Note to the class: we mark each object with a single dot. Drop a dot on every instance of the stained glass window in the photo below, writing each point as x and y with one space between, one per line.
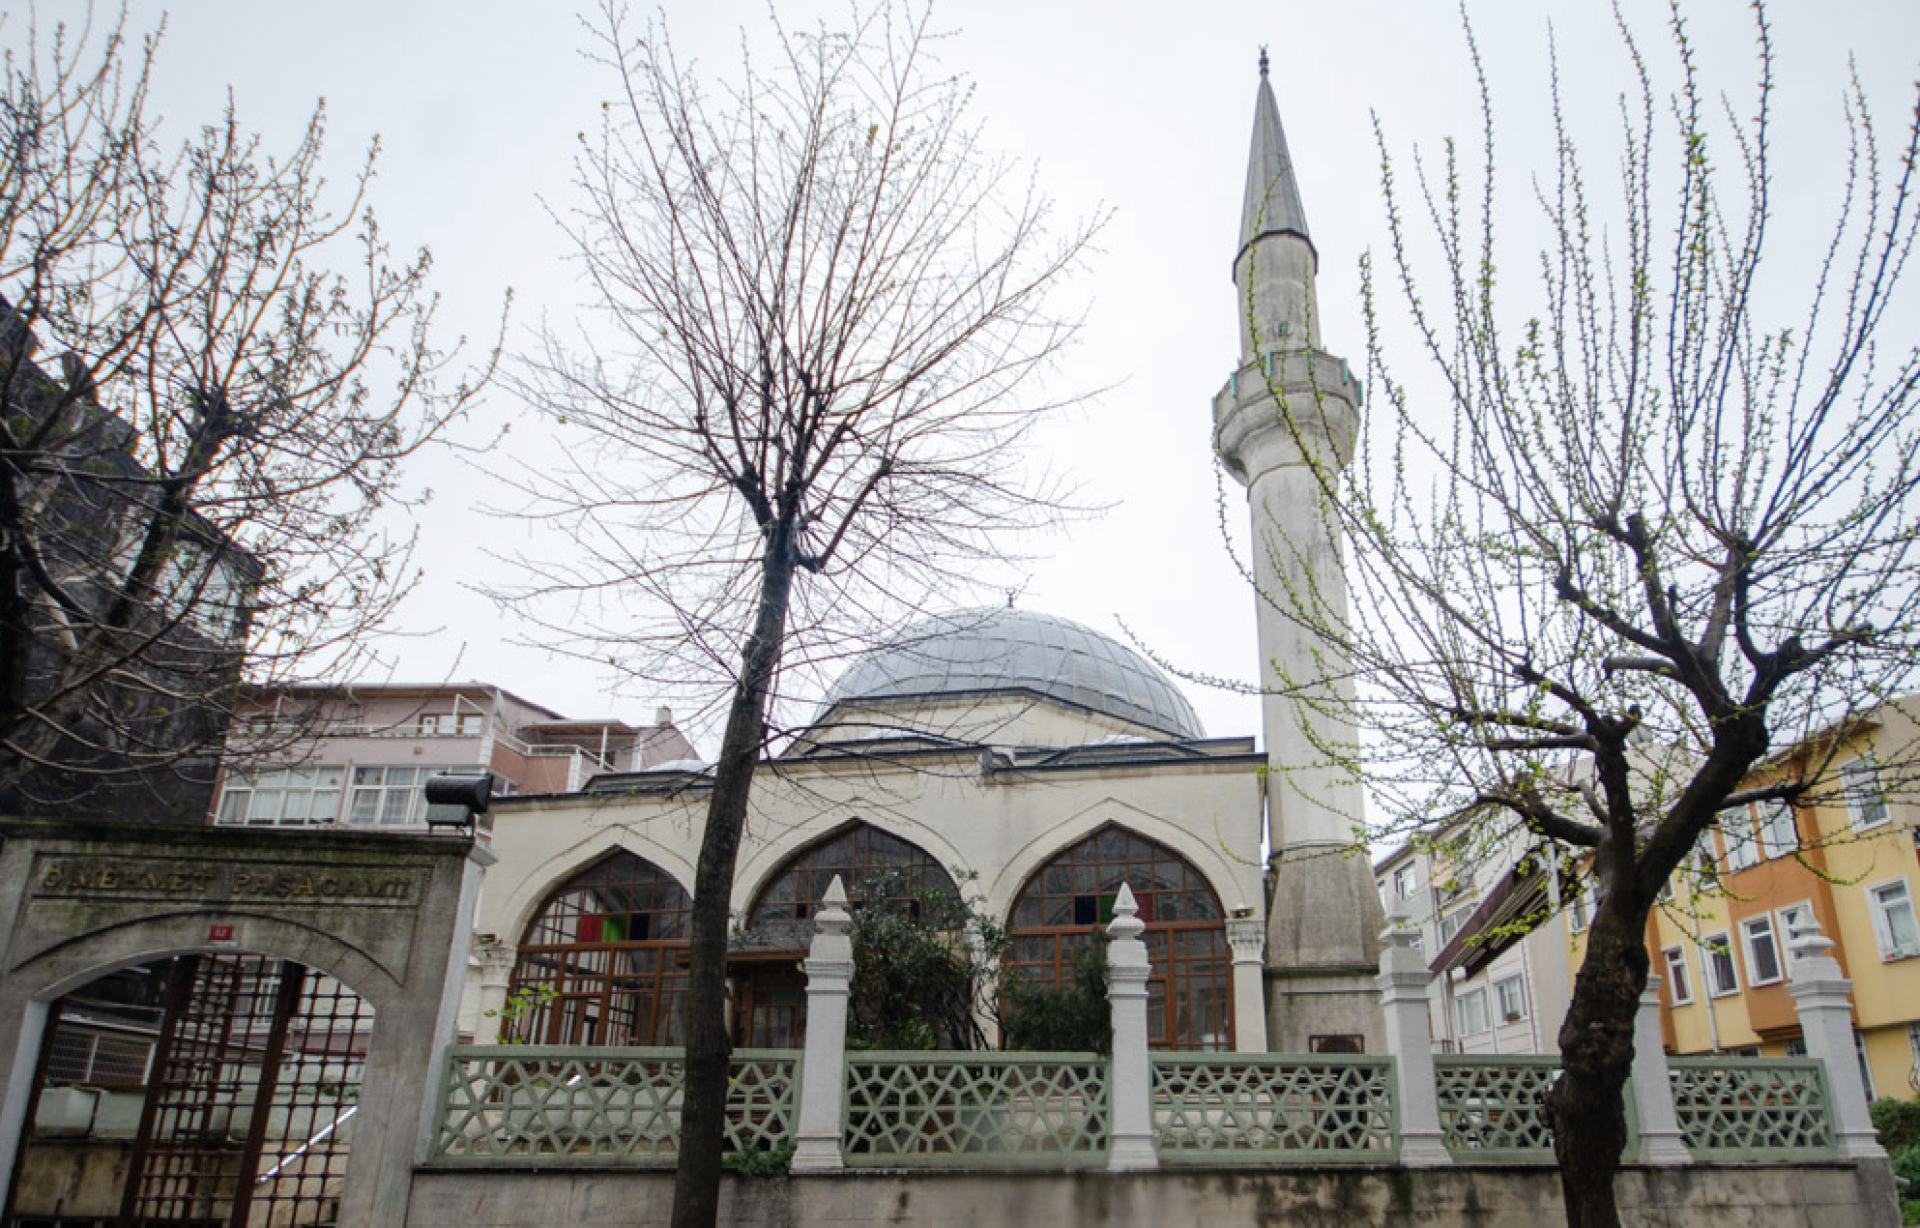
782 914
1069 901
602 962
769 1002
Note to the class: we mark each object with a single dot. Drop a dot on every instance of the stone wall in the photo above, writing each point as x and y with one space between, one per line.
1724 1196
76 1178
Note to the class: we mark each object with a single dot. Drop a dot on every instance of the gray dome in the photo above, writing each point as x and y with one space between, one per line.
970 652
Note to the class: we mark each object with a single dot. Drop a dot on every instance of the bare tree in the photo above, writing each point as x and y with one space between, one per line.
820 300
190 499
1637 523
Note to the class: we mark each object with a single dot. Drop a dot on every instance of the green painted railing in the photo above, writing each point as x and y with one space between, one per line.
975 1110
1273 1109
529 1106
541 1105
1752 1108
1493 1108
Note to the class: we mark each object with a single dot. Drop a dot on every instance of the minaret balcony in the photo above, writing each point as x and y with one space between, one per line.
1287 408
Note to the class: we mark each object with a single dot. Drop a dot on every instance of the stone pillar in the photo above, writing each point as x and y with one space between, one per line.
496 961
1822 997
400 1088
1131 1092
823 1072
1403 1001
1661 1143
1247 939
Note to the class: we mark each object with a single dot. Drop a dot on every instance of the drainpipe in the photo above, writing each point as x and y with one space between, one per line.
1533 994
1707 998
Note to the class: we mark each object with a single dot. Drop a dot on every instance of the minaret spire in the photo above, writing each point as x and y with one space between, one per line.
1271 205
1274 259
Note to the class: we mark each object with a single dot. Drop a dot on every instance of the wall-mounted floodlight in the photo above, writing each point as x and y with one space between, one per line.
458 797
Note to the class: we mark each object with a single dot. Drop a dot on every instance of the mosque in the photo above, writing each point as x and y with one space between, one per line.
1037 762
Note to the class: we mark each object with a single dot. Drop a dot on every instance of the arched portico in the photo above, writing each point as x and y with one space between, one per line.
388 915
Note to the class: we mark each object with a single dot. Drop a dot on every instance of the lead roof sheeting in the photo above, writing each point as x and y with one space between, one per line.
971 651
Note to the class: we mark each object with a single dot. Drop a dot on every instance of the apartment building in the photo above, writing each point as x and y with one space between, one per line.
360 755
1494 989
1845 859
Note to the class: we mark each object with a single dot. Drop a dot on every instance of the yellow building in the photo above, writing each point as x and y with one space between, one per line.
1844 857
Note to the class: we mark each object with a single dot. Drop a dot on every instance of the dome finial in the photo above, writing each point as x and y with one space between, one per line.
1263 59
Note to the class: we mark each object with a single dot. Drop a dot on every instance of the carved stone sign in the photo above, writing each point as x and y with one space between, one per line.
108 877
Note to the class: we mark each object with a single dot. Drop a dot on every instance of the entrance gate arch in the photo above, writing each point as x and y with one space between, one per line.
388 914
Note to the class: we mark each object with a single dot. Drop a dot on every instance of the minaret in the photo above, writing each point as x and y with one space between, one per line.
1283 426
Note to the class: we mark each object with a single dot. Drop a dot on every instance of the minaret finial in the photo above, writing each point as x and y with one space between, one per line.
1263 59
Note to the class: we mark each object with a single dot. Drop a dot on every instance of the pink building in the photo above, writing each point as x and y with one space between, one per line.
359 755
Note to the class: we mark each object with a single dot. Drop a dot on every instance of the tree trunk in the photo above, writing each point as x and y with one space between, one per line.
16 632
703 1105
1588 1105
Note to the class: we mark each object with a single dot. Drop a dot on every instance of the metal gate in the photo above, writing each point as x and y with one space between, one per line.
249 1109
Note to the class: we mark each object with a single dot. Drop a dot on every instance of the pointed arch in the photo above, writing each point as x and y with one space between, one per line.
523 896
770 1003
1068 901
780 916
602 961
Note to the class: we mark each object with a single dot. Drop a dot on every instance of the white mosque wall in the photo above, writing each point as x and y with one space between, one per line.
991 830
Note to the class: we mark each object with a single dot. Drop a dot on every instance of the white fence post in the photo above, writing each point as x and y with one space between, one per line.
1661 1143
1403 1001
1821 996
1130 1094
823 1070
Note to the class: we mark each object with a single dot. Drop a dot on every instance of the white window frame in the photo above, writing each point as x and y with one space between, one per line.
375 781
1743 845
1866 795
1519 986
1406 881
1878 907
1463 1016
1866 1067
1785 914
1715 948
202 588
1779 832
1451 923
1679 981
1704 855
1758 934
264 797
1577 918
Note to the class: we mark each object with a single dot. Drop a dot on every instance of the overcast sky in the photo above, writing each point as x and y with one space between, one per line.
1128 106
